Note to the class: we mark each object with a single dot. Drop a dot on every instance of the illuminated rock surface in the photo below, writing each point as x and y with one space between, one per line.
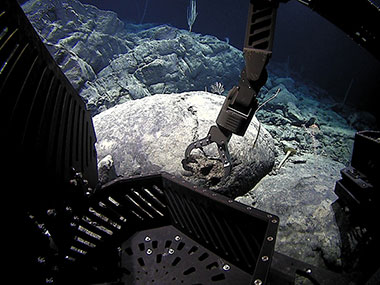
151 134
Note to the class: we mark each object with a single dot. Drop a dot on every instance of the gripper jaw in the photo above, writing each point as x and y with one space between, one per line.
220 138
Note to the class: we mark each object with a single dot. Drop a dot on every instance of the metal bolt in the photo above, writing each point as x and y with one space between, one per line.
51 212
149 251
308 271
274 221
265 258
69 258
269 216
147 238
258 282
177 238
171 251
226 267
269 238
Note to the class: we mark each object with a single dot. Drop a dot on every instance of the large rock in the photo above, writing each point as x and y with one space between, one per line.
301 193
151 134
110 62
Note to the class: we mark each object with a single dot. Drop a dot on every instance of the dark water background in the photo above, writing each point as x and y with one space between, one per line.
312 45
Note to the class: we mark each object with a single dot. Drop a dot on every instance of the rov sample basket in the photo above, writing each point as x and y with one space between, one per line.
167 231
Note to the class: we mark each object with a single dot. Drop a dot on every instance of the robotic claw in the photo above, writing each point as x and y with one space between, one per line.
216 135
241 104
359 21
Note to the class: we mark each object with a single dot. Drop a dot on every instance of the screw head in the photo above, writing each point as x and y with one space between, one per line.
258 282
264 258
177 238
226 267
149 251
69 258
269 238
147 238
171 251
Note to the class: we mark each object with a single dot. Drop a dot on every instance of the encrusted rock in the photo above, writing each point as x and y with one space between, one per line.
106 170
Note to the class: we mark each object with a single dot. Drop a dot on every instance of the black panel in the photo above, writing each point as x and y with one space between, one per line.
360 20
158 228
46 129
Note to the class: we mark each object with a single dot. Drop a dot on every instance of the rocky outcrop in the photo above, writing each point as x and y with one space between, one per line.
302 117
151 134
301 194
110 62
81 38
165 60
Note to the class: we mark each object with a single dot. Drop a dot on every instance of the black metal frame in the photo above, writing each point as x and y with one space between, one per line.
89 236
359 195
360 20
47 130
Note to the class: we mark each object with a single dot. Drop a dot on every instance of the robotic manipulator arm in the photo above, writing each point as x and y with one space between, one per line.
359 19
241 104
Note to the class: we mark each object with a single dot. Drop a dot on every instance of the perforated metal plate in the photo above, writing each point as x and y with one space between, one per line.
167 256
